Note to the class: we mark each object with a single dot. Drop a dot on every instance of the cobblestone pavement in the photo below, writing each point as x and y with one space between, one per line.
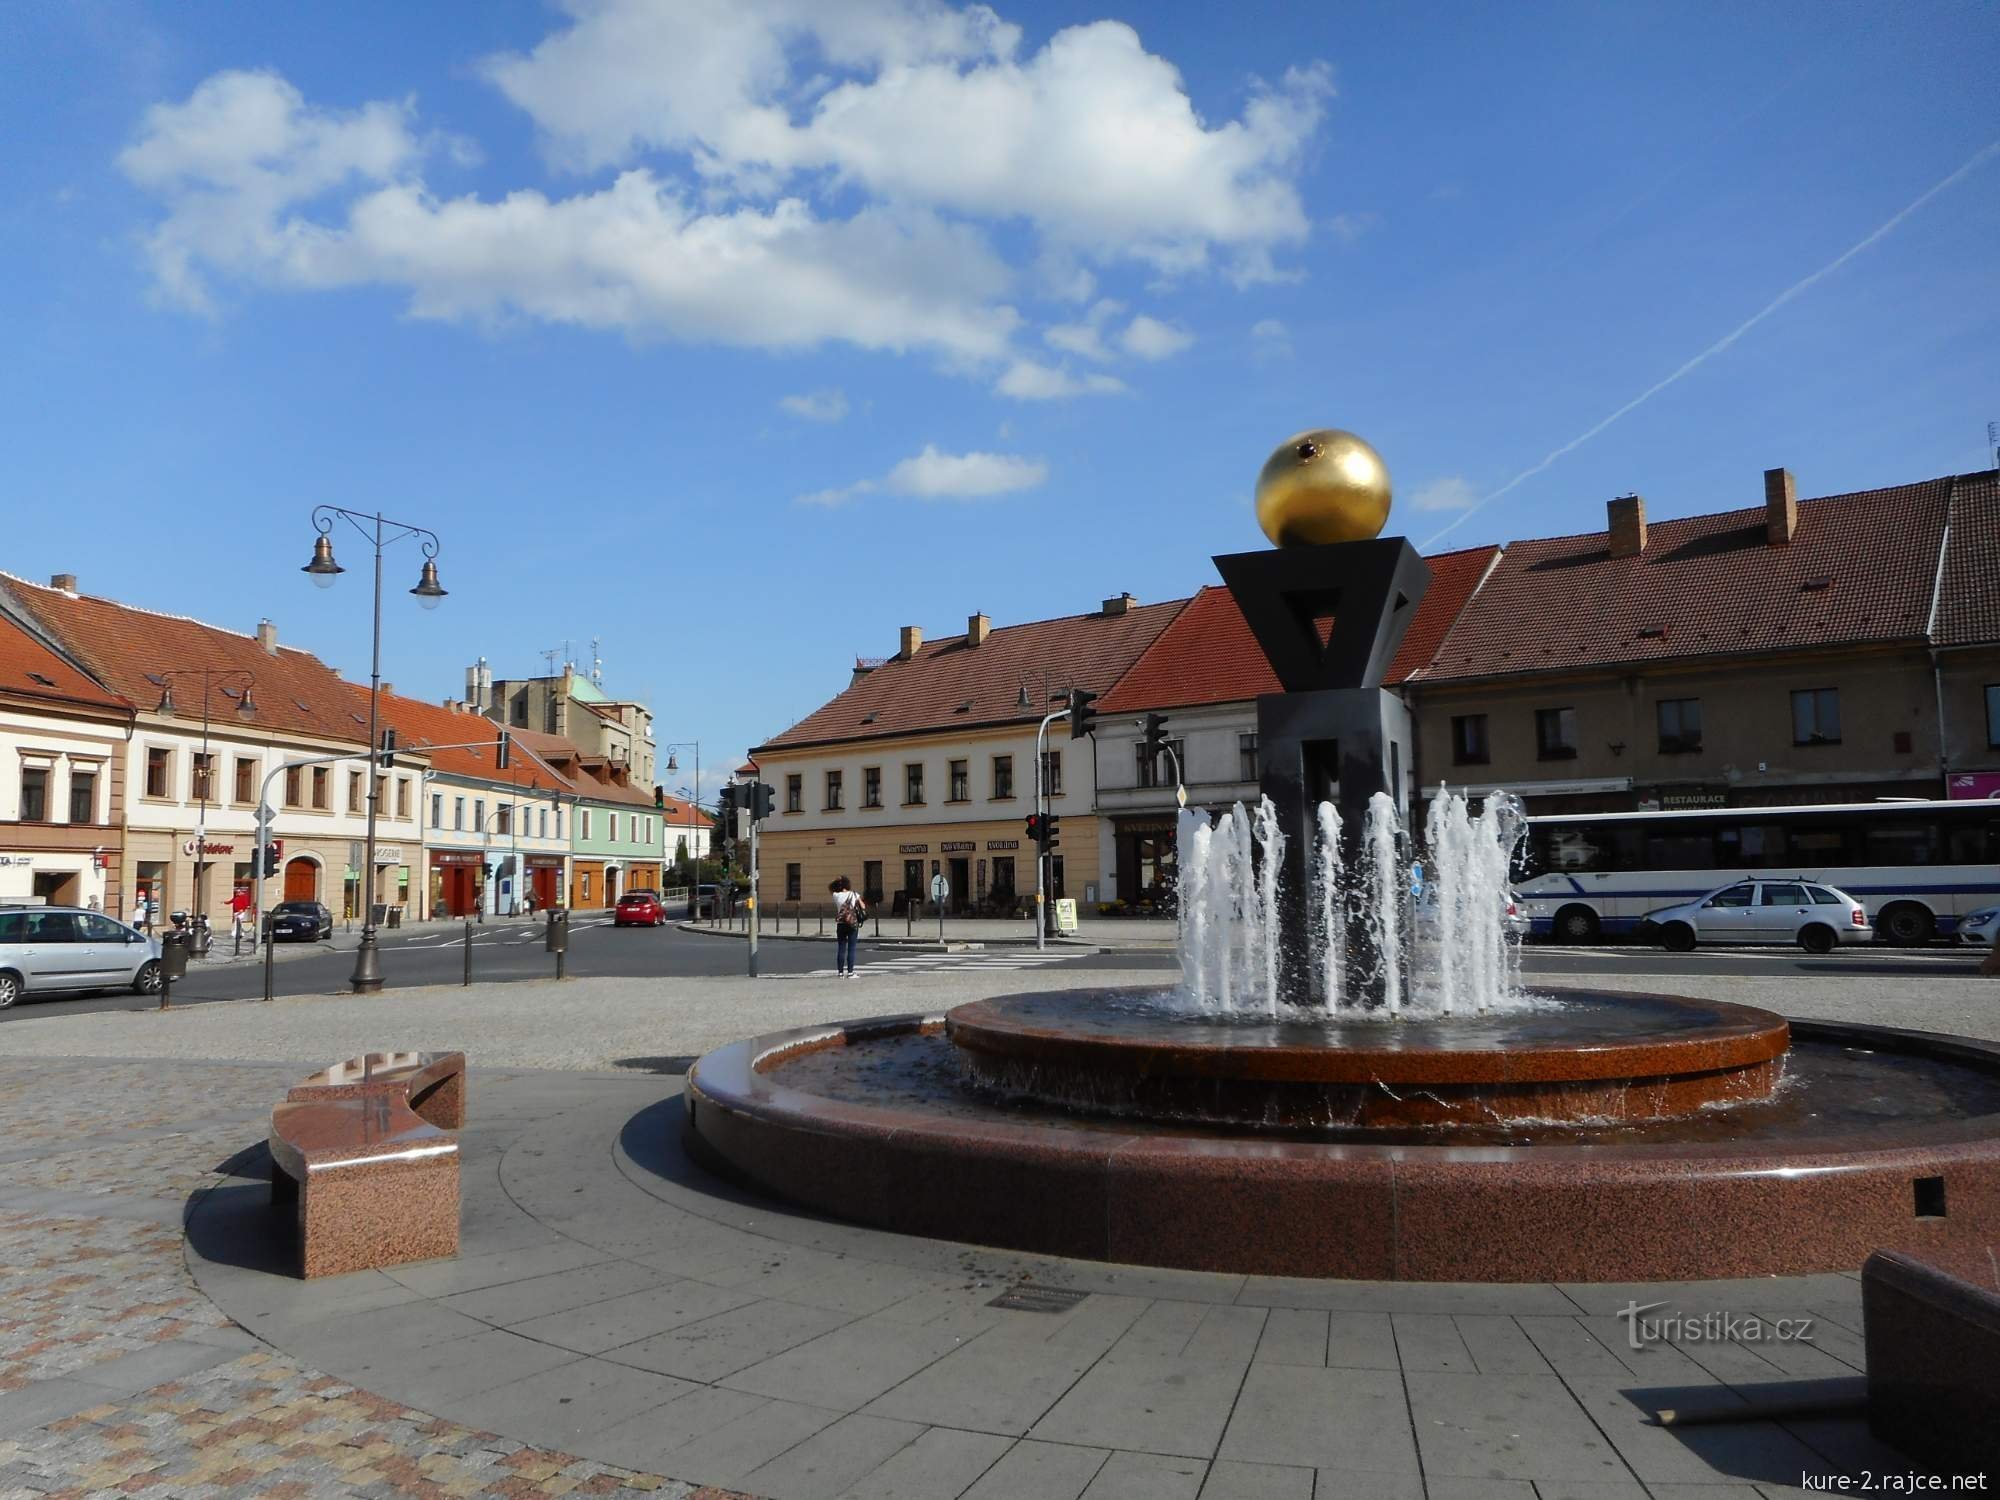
118 1377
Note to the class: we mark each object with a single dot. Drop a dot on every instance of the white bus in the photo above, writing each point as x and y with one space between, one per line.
1917 866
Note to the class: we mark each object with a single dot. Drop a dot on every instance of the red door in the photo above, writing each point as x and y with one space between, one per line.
459 900
545 887
301 880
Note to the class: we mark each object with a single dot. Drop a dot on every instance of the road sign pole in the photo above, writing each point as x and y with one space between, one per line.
753 896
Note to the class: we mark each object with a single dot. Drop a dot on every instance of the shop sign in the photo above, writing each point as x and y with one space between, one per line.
455 857
545 861
1693 799
1974 784
957 846
388 854
187 847
11 860
914 849
1003 843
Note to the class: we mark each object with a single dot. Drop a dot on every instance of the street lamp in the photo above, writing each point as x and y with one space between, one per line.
694 859
323 570
246 709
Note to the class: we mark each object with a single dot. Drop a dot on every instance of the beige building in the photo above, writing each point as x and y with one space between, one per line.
925 766
571 706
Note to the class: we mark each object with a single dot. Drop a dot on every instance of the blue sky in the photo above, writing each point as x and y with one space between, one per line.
739 336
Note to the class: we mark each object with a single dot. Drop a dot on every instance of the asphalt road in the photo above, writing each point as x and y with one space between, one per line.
505 951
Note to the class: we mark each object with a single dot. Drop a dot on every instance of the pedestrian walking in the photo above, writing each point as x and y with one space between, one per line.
142 913
848 910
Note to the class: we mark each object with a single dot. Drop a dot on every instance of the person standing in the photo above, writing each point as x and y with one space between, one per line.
142 913
239 915
848 910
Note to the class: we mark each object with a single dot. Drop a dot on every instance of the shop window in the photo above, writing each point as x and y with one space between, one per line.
1246 757
1680 725
1003 777
82 795
1816 716
246 780
1555 733
795 793
1003 876
961 781
871 786
34 794
159 772
1468 740
794 879
871 881
834 791
913 784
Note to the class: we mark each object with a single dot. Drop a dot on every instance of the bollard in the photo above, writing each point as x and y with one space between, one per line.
468 950
819 928
173 965
270 961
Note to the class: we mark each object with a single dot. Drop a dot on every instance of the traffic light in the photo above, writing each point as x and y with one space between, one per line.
1034 828
1155 736
659 796
1082 717
387 756
1049 839
726 802
763 800
503 751
274 852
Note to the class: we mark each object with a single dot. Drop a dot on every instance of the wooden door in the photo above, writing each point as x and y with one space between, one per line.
301 880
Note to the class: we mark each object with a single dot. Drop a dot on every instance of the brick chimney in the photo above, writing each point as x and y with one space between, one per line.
1121 605
977 628
1628 525
66 582
1781 507
388 689
912 641
267 637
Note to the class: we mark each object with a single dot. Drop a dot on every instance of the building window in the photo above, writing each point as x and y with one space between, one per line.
503 820
833 791
583 823
1468 740
437 809
1555 733
295 786
159 772
795 793
202 772
559 832
82 795
354 791
1150 766
913 784
1003 776
1246 757
402 796
1993 716
246 781
1816 716
1052 773
34 794
1680 725
322 788
794 879
458 814
961 782
871 881
871 786
543 823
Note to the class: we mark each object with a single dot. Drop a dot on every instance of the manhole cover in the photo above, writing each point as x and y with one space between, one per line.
1041 1299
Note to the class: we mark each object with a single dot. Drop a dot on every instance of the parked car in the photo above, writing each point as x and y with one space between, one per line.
60 949
1814 915
1513 921
638 909
1980 928
707 901
300 922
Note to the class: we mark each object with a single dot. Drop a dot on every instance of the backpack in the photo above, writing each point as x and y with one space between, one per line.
847 913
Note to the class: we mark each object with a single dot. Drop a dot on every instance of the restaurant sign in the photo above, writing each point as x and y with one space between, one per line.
914 849
957 846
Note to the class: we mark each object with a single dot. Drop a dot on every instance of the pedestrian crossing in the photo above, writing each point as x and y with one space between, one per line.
971 962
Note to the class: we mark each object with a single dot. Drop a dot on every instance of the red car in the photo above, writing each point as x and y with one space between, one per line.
639 909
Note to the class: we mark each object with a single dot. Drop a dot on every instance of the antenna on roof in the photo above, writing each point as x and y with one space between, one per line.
550 656
1993 443
596 664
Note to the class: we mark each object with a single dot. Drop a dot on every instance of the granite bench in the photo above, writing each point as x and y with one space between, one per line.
1933 1342
363 1154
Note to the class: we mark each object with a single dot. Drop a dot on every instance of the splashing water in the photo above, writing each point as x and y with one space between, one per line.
1381 933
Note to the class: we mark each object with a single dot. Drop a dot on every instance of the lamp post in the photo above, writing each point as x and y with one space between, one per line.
323 570
246 709
694 857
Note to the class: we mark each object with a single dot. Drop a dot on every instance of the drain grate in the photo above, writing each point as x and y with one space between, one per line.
1028 1297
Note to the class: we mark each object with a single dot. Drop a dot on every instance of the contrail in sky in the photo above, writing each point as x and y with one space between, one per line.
1979 159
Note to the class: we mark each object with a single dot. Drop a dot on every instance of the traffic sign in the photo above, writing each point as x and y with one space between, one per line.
940 890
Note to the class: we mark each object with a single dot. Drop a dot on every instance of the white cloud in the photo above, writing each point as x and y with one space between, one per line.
1028 380
817 406
1270 339
782 175
932 475
1149 338
1449 493
1350 227
1085 337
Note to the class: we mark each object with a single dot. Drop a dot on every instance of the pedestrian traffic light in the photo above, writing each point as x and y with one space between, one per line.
1049 839
1034 828
763 800
659 796
1082 717
273 853
503 750
387 754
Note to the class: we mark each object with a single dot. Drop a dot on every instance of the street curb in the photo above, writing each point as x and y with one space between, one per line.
923 945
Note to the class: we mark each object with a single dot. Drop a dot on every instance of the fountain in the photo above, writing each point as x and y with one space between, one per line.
1351 1078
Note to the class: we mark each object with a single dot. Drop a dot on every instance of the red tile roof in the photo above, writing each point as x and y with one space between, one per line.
129 650
29 669
1208 654
419 725
1861 568
1969 598
951 684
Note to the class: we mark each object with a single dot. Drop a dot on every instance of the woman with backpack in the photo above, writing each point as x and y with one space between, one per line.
848 910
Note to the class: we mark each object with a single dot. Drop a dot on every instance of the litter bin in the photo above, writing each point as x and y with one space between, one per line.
395 916
173 956
557 940
199 938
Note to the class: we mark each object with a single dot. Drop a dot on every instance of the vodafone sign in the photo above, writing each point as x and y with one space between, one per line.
188 847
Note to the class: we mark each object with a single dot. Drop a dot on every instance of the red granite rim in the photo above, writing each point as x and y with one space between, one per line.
1732 1037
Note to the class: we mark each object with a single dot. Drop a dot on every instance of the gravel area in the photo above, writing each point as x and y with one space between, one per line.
595 1023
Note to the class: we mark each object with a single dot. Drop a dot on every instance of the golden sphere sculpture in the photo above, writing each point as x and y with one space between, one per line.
1323 486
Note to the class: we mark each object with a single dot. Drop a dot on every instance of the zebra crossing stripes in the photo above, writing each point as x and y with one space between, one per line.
961 963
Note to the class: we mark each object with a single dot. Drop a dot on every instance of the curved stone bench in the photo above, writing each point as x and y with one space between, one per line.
362 1152
1933 1338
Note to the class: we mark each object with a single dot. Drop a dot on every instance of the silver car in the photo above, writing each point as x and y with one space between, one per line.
1981 928
57 949
1810 913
